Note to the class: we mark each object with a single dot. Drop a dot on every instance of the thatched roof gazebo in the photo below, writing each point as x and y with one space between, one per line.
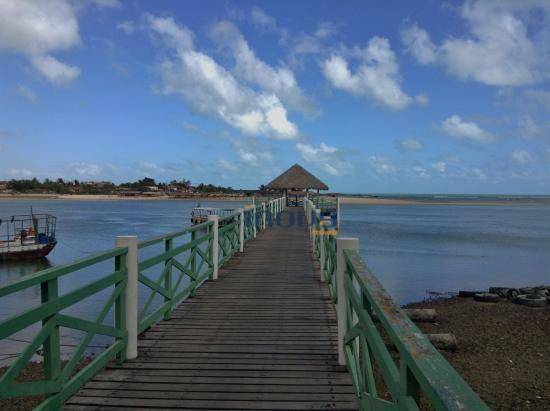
296 181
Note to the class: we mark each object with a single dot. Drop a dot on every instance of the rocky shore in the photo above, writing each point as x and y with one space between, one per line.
503 349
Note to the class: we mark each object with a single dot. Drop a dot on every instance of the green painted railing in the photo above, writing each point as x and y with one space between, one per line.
228 237
259 217
186 260
249 216
191 260
410 375
61 382
328 243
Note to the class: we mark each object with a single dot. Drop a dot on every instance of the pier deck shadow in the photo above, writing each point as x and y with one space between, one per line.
263 336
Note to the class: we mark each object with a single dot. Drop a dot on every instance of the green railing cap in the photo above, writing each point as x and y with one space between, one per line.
441 383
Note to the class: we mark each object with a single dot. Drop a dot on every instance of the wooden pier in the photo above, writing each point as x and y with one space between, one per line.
263 336
266 308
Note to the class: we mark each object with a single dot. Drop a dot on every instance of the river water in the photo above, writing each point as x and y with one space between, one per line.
413 249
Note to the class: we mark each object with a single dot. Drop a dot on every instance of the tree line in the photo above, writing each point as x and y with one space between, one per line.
61 186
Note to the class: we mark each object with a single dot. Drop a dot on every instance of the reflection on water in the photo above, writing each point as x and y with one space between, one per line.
13 270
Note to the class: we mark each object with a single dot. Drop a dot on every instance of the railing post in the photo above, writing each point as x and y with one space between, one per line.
322 252
168 279
342 243
131 293
194 262
315 228
337 213
254 220
241 229
263 215
215 245
52 348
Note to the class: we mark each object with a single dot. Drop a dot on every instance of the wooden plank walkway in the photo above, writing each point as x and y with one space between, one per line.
262 337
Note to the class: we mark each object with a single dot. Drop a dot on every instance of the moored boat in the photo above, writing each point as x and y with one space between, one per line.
200 215
25 237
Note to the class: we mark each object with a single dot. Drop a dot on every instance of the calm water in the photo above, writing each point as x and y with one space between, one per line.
417 248
410 248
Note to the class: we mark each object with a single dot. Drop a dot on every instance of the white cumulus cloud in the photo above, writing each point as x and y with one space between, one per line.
410 144
420 172
261 19
419 44
377 75
325 29
85 169
521 157
279 81
330 159
382 165
57 73
455 126
312 153
226 165
209 88
504 45
127 26
38 28
440 166
27 93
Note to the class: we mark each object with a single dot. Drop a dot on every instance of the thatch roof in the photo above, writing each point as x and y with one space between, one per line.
297 177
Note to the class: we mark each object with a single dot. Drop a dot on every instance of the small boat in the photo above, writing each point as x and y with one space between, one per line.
200 215
25 237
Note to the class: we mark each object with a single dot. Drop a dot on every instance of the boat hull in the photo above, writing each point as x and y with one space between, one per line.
27 253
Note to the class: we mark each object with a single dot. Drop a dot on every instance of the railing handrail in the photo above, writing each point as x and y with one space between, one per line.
172 235
230 216
59 271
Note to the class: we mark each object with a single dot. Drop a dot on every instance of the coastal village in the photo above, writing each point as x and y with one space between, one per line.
146 187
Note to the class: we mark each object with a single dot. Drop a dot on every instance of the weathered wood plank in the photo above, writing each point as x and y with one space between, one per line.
261 337
219 395
253 388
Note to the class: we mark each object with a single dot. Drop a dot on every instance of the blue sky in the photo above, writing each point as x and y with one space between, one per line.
413 97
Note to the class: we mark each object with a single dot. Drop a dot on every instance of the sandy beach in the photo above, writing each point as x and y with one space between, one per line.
376 201
411 201
356 200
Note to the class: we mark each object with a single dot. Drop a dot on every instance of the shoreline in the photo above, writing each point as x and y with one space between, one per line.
346 200
410 201
113 197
